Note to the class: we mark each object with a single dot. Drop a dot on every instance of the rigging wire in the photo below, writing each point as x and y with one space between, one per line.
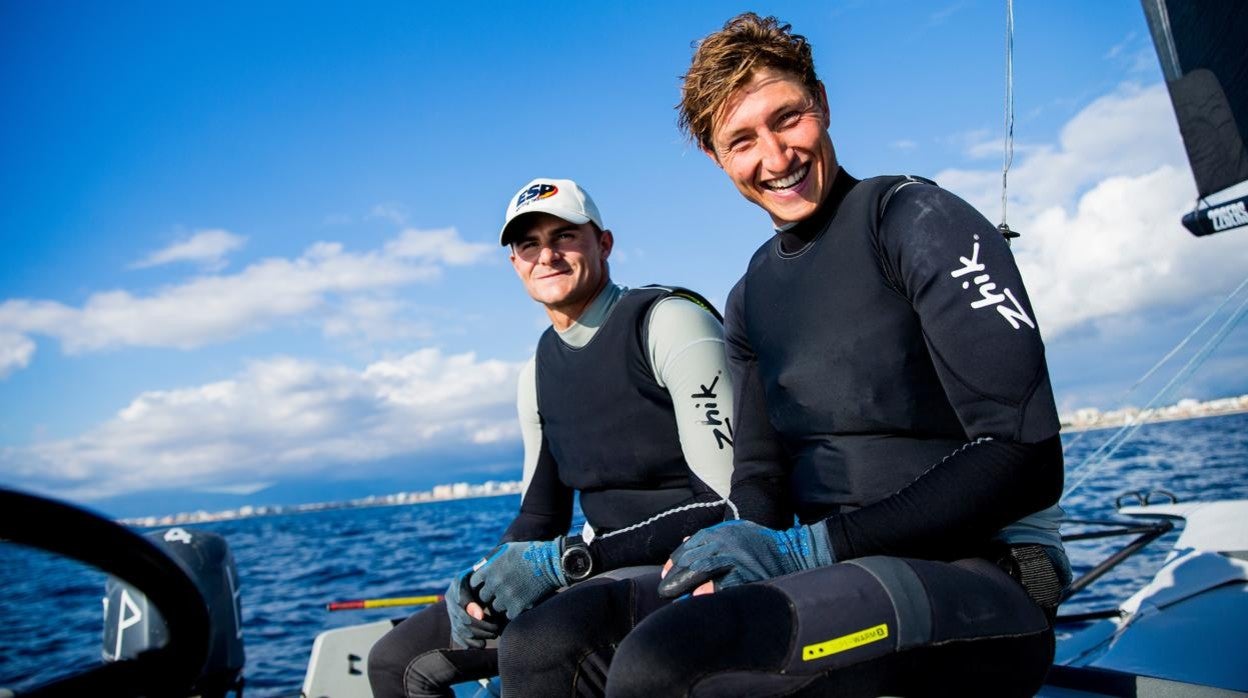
1106 450
1126 394
1191 334
1008 155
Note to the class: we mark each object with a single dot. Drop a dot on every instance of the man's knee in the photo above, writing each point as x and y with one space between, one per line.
564 645
741 629
547 635
386 662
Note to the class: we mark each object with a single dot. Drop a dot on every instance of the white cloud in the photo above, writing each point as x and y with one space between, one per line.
281 417
905 145
1099 212
1121 47
1122 251
15 352
994 147
242 488
1129 132
372 318
442 245
216 308
395 213
206 247
942 15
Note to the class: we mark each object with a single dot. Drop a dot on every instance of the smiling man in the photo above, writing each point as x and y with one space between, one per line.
626 402
897 459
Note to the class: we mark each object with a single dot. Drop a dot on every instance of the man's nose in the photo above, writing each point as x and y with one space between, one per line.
546 254
775 153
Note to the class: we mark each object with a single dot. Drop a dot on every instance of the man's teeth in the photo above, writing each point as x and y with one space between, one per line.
786 182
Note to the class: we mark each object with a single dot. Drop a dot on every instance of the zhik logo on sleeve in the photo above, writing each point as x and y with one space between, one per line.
1014 315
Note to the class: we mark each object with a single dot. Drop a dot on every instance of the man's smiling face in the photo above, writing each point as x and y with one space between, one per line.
771 139
563 265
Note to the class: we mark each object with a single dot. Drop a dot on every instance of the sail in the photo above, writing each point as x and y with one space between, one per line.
1201 44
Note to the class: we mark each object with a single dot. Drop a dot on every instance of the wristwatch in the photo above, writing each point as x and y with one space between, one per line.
577 560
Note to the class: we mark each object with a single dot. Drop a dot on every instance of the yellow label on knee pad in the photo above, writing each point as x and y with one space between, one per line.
845 642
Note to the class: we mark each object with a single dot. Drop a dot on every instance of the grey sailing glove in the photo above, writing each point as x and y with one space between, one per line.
466 631
739 552
517 576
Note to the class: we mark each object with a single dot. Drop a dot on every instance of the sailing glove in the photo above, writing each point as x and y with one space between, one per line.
515 577
739 552
466 631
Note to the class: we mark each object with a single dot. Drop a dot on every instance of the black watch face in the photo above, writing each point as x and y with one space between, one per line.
576 563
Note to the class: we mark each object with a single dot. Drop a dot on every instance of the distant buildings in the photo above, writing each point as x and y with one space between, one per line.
458 490
1079 420
1092 418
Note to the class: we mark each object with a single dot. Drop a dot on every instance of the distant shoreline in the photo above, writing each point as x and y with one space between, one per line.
1082 420
1152 419
440 493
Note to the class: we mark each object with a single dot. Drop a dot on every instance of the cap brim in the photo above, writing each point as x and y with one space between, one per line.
569 216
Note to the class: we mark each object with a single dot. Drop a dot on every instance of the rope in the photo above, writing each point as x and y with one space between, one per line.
656 517
1106 450
1126 394
1008 158
1191 334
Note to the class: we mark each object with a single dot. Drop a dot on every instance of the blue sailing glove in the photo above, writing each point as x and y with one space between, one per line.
739 552
466 631
517 576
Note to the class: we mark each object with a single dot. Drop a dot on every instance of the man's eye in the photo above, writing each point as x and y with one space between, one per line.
790 118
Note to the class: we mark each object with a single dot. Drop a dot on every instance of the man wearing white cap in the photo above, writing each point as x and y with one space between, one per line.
626 402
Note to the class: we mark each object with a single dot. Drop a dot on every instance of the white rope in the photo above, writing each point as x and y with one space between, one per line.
1191 334
1126 394
1106 450
669 512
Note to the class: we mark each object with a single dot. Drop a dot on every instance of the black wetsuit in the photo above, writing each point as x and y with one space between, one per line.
609 432
890 380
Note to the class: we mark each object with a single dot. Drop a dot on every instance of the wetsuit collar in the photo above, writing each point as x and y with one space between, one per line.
584 327
796 236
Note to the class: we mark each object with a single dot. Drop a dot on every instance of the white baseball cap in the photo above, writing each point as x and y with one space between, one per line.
558 197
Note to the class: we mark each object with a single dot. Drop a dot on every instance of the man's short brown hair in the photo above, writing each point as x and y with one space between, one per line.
728 59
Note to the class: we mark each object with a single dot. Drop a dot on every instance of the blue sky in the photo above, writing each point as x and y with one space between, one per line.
251 250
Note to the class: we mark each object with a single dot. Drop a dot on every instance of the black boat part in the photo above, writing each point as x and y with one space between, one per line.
132 625
168 670
1201 49
1145 533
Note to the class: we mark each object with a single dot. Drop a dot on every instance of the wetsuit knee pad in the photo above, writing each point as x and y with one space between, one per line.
416 658
430 675
742 629
570 639
387 660
388 655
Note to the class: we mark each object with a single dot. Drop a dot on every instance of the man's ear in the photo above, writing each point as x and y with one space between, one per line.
607 241
710 154
822 98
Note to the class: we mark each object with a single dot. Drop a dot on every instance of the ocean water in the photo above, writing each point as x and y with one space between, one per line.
291 566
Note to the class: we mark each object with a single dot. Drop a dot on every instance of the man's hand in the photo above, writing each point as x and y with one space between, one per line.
739 552
468 629
517 576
